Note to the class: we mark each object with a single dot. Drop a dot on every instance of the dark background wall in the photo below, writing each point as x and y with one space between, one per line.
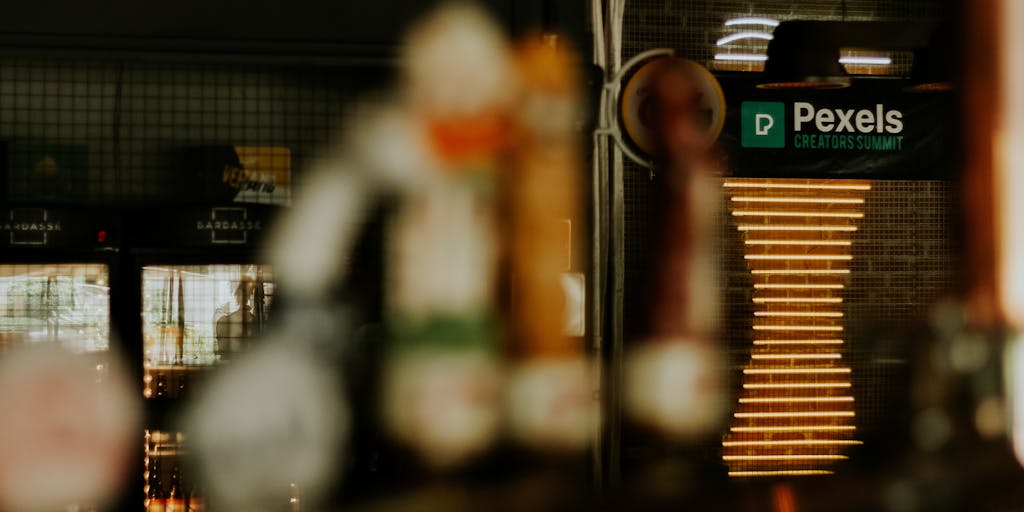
123 85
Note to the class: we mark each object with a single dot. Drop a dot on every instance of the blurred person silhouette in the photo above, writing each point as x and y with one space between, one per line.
234 330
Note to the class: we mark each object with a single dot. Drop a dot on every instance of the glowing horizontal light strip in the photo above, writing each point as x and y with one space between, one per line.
815 271
815 200
797 385
795 442
807 314
767 213
784 457
785 400
752 20
775 371
812 300
764 36
830 355
865 61
793 227
741 57
801 414
804 428
797 242
801 186
797 286
809 257
798 342
782 472
798 328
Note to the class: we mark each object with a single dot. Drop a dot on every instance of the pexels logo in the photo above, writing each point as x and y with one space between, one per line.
763 125
850 120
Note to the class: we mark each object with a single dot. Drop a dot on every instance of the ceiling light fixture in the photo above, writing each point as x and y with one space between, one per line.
752 20
731 38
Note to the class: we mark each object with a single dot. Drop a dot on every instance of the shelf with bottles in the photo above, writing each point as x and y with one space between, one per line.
198 316
164 382
166 488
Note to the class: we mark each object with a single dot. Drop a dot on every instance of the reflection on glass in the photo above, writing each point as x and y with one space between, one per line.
65 303
197 315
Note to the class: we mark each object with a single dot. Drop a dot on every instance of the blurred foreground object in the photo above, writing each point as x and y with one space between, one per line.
272 422
551 405
478 152
67 435
994 184
435 150
674 379
443 252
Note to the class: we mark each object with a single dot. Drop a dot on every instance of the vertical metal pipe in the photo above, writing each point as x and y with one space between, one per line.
616 265
608 247
598 223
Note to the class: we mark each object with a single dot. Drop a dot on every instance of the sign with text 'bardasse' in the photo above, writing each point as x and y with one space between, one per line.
216 226
873 133
33 227
229 226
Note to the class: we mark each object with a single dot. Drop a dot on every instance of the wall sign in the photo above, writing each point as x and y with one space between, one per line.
869 131
29 226
48 227
764 125
46 173
240 174
229 226
218 226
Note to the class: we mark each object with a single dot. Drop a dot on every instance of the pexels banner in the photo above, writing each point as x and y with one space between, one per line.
860 132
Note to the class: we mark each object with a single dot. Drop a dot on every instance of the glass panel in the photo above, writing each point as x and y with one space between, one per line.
197 315
65 303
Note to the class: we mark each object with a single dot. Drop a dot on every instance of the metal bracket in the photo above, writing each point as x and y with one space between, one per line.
610 103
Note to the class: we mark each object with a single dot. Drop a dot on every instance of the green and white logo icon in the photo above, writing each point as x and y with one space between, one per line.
763 124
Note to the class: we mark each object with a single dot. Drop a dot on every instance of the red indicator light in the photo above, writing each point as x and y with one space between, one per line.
101 236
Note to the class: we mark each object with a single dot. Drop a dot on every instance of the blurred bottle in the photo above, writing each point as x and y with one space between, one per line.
195 502
551 405
156 500
294 499
673 376
161 386
175 497
182 384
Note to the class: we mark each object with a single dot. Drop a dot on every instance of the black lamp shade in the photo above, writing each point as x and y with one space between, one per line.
803 55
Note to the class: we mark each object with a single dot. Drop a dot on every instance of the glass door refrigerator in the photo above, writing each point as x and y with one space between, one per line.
202 297
58 268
